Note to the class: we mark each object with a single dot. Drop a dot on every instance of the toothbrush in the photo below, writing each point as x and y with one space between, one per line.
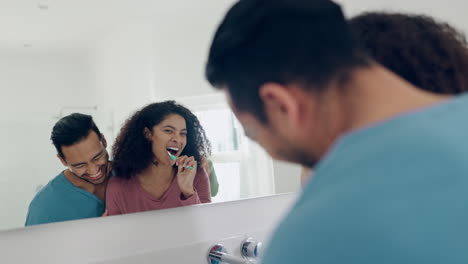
175 158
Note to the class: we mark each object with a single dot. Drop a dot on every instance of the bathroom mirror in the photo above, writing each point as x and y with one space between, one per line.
108 58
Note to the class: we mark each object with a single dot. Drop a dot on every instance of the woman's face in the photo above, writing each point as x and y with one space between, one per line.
169 136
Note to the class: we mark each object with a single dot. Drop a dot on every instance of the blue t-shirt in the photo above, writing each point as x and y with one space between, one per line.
396 192
60 200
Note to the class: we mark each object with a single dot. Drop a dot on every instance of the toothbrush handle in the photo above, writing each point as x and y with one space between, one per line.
190 168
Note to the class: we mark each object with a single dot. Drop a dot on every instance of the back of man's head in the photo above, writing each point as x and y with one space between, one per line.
307 42
71 129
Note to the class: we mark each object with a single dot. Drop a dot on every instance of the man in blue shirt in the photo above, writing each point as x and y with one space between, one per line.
79 191
390 159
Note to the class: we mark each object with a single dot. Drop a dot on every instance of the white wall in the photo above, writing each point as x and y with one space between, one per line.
123 72
34 89
181 43
42 83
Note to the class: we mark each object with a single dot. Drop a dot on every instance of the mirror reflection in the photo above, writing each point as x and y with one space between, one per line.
73 76
107 60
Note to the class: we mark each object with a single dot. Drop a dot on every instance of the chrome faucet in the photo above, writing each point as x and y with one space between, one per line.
250 250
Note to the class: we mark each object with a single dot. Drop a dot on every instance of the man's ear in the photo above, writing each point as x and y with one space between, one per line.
103 140
280 103
64 163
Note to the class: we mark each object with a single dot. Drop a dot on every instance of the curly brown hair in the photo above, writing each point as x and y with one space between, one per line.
132 151
429 54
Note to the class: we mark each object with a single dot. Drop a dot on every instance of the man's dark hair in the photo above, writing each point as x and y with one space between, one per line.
305 42
429 54
132 151
71 129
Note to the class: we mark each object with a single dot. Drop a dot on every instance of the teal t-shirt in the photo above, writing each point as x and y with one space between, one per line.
60 200
395 192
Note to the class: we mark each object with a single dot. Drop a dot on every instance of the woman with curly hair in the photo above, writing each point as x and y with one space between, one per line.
429 54
156 161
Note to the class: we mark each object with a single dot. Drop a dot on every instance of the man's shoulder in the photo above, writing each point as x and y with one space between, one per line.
45 203
307 233
54 190
401 144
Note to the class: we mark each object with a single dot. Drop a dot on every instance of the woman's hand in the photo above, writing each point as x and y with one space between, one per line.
186 170
106 213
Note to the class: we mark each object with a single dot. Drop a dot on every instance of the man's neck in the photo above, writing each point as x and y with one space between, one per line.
97 190
377 94
372 95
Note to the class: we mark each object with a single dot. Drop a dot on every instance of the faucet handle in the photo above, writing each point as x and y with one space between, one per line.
251 248
218 254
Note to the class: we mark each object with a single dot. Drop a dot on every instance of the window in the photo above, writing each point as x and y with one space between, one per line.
242 168
222 130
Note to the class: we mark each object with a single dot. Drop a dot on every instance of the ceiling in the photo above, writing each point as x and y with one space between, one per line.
64 25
